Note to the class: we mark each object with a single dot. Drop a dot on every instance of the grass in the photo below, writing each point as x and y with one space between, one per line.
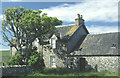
102 74
5 56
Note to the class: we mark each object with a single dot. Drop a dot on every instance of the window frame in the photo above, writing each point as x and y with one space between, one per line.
53 43
35 43
52 62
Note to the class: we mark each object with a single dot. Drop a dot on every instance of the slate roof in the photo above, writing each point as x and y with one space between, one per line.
99 44
72 30
68 30
64 29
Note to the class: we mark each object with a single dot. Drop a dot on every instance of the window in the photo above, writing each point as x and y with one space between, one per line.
113 46
35 43
52 62
53 43
71 62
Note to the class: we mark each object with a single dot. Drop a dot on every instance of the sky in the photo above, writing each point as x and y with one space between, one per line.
101 16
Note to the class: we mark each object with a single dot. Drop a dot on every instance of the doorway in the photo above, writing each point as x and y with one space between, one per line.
82 64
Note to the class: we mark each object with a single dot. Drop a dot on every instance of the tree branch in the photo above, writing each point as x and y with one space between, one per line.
4 35
9 32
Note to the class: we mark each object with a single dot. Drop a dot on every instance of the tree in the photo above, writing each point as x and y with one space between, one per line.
10 26
21 27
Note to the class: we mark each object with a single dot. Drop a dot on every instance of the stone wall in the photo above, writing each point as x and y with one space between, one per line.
98 63
47 52
101 63
16 70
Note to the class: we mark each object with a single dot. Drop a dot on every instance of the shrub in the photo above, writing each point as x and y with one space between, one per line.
16 59
36 60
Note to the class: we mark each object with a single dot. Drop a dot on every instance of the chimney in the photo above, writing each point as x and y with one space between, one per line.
79 20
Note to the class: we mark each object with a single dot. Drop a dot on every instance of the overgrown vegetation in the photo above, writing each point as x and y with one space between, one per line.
35 59
16 59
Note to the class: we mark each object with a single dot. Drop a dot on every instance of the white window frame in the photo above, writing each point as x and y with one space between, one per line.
53 43
71 62
35 43
52 62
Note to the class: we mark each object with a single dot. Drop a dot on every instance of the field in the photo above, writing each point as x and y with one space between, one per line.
4 56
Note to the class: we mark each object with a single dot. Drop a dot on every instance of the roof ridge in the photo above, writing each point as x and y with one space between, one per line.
64 25
104 33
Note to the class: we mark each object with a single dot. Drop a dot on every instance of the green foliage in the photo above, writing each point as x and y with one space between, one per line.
21 27
36 60
17 59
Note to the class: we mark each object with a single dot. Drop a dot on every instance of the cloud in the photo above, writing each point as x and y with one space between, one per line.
15 0
95 29
106 11
1 17
11 0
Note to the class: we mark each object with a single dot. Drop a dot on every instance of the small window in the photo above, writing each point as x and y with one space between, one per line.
52 61
53 43
35 43
113 46
71 62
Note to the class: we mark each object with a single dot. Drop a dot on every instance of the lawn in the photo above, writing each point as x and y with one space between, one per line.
103 74
4 56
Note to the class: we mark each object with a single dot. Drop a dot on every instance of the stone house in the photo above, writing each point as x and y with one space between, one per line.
72 46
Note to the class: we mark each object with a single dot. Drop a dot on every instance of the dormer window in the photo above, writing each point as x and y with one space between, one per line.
35 43
53 43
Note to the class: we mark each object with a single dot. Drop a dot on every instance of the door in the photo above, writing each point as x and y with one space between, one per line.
82 64
52 62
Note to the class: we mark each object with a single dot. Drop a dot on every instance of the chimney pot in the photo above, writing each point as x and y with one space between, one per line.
78 15
79 20
81 16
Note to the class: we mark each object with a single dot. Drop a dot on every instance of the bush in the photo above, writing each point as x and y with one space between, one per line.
36 60
16 59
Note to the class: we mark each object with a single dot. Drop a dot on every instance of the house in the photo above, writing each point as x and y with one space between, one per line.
72 46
